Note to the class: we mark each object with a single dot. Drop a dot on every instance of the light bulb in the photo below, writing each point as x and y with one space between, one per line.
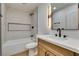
54 8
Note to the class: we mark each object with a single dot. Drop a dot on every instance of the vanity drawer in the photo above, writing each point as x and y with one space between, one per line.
55 49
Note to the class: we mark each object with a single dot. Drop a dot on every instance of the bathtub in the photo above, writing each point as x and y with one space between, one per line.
14 46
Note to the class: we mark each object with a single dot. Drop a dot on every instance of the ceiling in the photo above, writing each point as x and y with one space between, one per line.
27 7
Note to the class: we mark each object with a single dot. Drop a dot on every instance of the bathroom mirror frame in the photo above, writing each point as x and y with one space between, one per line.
52 18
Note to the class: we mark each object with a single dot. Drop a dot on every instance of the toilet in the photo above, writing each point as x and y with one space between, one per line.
31 48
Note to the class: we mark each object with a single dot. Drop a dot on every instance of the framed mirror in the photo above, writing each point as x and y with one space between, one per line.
64 15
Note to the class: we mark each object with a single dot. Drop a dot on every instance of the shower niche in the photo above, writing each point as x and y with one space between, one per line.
19 27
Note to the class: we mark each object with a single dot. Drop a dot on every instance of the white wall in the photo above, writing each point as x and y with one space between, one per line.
3 22
14 16
43 19
0 33
43 27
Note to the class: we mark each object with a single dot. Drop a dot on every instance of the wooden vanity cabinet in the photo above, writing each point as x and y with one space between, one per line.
48 53
47 49
76 54
42 51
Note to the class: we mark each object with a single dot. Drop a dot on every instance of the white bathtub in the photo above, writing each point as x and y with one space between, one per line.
14 46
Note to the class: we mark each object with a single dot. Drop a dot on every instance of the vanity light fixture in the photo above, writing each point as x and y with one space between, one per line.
49 16
49 22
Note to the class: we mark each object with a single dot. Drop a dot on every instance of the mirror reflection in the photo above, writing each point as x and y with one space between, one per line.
64 15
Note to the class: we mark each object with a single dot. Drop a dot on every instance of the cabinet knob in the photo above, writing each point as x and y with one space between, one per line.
64 36
0 15
46 54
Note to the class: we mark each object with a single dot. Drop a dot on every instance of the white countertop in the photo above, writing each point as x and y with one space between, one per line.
67 43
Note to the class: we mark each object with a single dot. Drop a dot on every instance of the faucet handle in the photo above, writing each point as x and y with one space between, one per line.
31 35
0 15
62 28
64 36
55 34
58 29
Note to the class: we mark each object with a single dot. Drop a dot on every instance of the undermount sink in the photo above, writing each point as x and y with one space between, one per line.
56 37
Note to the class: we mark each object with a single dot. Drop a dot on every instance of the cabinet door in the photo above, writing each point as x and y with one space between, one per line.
48 53
76 54
41 51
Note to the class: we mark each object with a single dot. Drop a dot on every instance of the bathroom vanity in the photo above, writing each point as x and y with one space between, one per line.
60 16
54 47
